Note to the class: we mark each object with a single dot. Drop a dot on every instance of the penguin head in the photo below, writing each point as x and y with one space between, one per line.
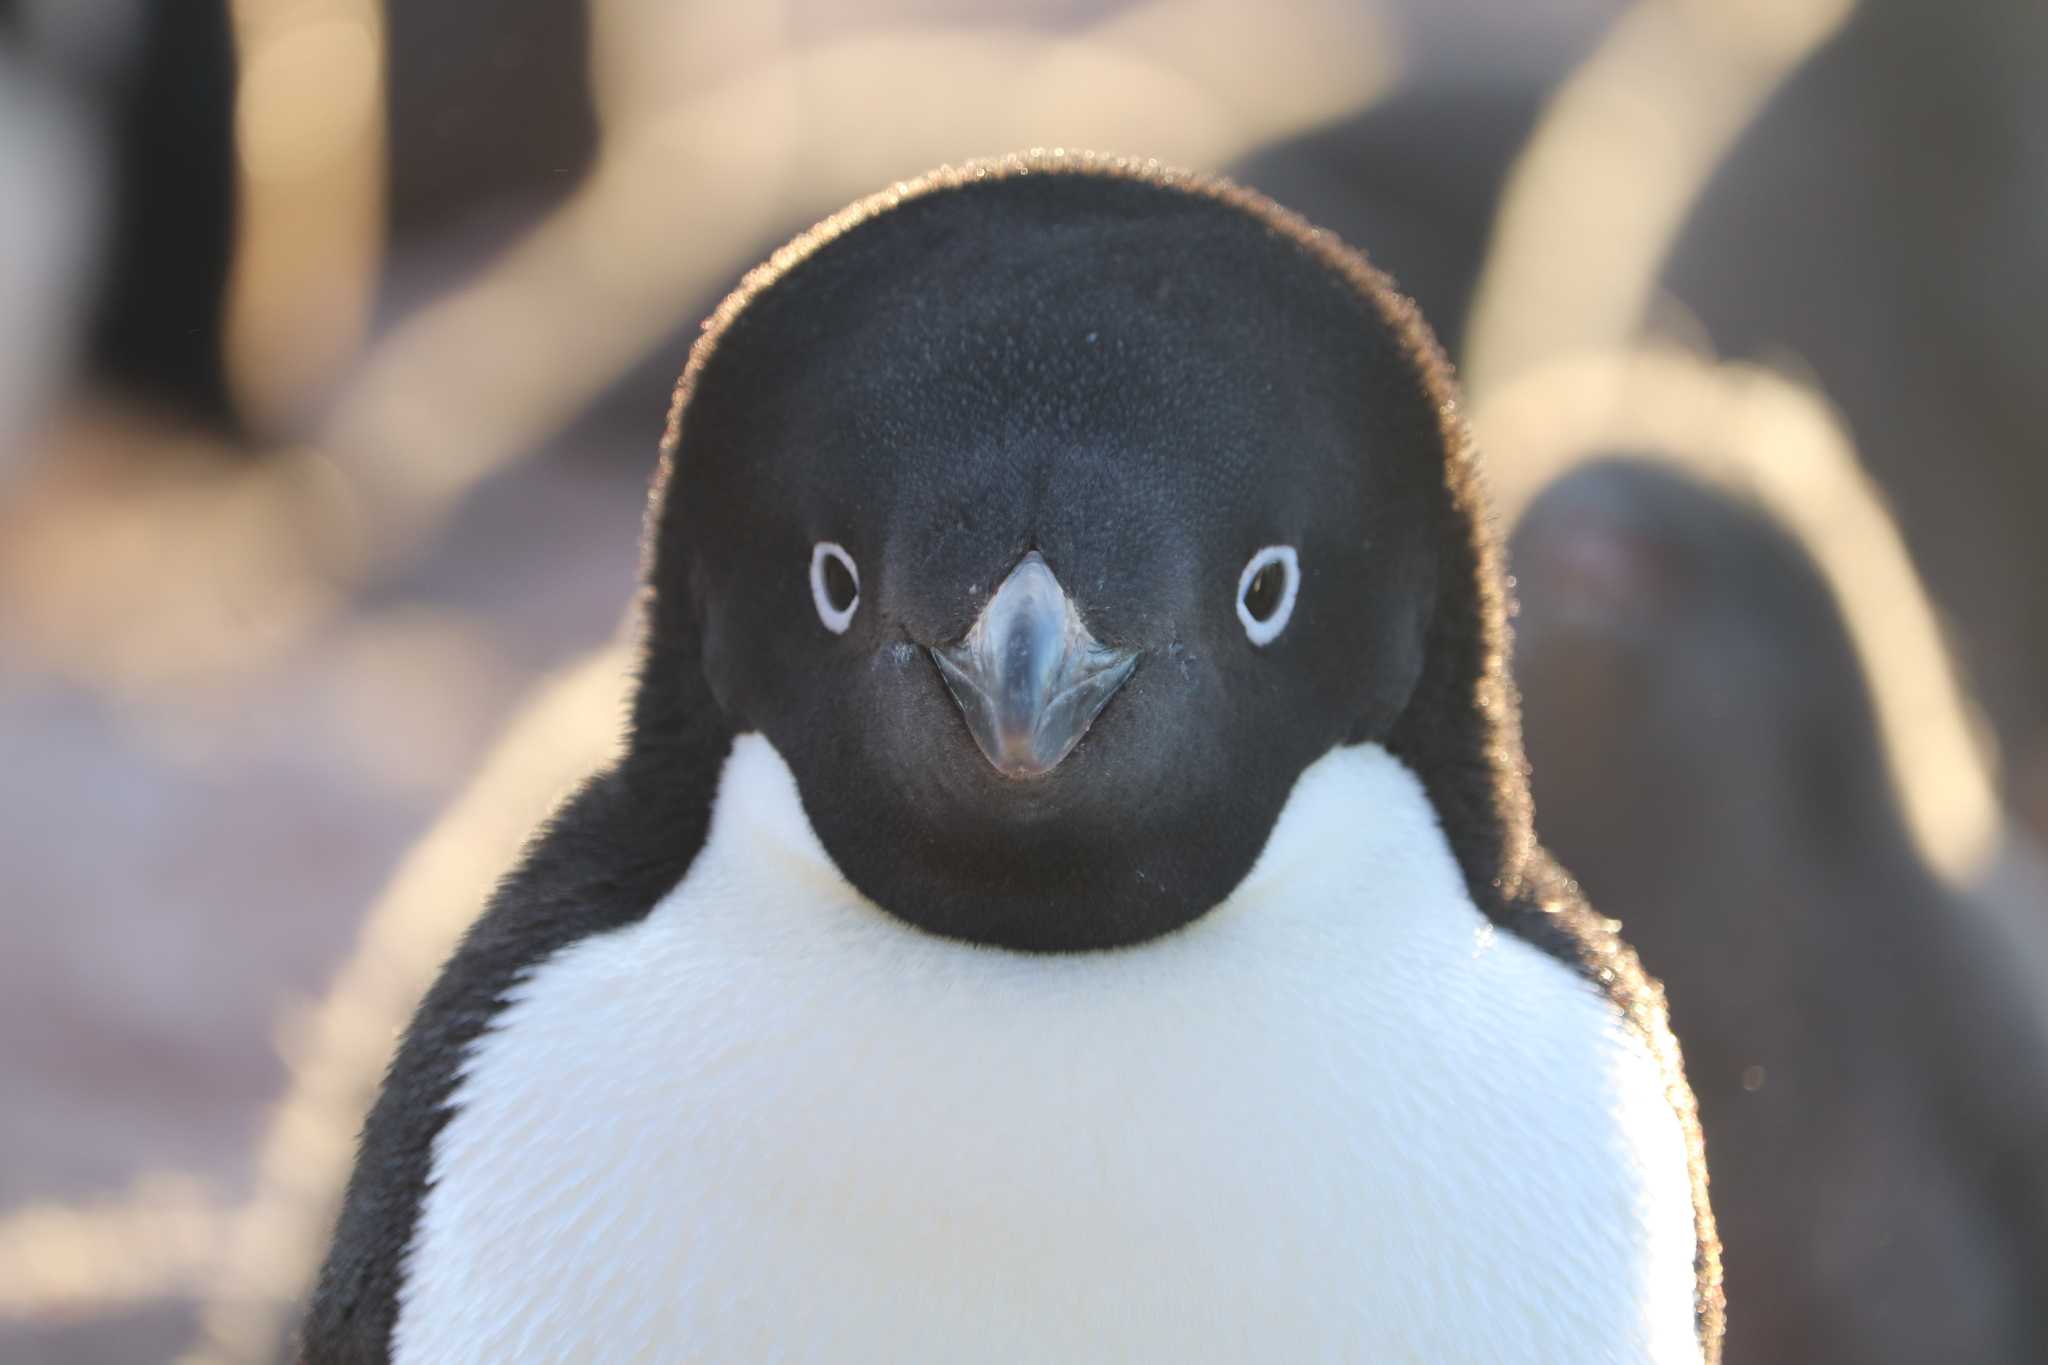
1690 680
1049 525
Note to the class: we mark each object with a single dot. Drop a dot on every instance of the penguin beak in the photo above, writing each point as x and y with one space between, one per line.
1028 676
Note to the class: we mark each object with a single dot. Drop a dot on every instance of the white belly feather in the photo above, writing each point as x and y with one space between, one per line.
1338 1118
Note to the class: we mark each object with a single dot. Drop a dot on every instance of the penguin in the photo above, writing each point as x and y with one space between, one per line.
1864 1040
161 81
1067 889
1879 222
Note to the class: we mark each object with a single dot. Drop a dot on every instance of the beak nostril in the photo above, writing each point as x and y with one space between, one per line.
1028 676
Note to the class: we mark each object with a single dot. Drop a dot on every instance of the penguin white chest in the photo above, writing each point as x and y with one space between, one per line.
1338 1118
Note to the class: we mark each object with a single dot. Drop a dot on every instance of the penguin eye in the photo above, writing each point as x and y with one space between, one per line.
835 585
1265 592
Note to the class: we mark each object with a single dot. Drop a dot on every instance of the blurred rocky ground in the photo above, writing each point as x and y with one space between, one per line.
216 756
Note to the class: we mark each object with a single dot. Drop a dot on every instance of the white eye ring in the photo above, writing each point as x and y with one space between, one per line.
1266 631
836 619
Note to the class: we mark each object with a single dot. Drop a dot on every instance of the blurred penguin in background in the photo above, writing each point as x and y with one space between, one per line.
149 92
52 163
1864 1041
1881 221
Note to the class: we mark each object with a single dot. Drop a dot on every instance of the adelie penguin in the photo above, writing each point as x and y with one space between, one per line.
1068 892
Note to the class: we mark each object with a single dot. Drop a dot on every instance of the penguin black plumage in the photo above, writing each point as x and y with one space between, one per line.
1068 891
1867 1052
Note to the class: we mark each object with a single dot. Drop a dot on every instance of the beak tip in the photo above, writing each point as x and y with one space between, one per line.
1028 677
1030 742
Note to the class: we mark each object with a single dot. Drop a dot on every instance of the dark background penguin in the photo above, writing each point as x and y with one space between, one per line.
1912 288
1866 1043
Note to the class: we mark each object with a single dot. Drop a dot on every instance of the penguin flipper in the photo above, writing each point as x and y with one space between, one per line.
618 845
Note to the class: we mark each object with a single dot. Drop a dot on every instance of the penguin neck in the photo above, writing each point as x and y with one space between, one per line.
1331 801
